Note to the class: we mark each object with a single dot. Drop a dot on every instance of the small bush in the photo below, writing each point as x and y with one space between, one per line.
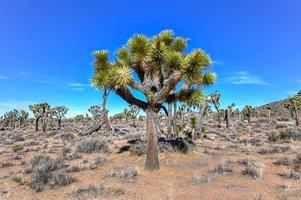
253 169
202 178
291 175
223 167
6 164
138 148
17 137
16 177
127 174
17 147
291 133
46 172
92 145
287 160
93 192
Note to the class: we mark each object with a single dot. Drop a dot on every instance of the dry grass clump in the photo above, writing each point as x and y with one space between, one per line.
202 178
275 149
46 171
223 167
91 145
6 164
94 192
252 141
287 134
286 160
253 168
17 137
292 174
16 177
138 148
126 174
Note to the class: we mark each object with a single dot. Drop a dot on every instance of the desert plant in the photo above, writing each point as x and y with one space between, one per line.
23 118
40 112
134 111
91 145
59 113
160 64
293 104
248 112
96 113
228 112
193 122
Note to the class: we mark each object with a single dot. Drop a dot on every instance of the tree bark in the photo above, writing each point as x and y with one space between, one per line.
296 117
227 118
152 160
44 125
59 123
37 124
201 118
174 120
105 111
169 126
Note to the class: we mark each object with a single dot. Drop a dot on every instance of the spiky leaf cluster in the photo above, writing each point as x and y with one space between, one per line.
154 66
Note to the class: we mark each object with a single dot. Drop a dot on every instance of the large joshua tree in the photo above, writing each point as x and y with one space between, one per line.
160 65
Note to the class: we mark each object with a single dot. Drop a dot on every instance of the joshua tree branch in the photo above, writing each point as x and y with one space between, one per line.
126 94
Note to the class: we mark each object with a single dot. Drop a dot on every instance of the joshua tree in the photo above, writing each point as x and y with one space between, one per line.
160 64
134 110
59 113
293 104
228 112
40 112
23 118
193 122
96 113
10 118
248 112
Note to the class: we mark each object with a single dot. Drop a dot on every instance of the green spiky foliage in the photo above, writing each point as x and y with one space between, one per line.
160 64
40 112
293 104
134 112
248 112
59 112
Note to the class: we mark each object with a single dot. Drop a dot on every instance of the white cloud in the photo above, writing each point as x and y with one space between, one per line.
3 77
245 77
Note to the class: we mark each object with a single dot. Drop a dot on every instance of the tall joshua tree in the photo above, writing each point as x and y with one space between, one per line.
23 118
59 113
228 112
248 112
293 104
40 112
134 111
160 64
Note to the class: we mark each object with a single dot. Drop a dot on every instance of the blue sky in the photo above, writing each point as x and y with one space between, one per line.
45 46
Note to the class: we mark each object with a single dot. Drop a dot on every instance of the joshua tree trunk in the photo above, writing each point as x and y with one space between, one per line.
269 116
174 120
296 117
169 126
105 111
37 124
152 160
227 118
201 118
59 123
44 125
218 115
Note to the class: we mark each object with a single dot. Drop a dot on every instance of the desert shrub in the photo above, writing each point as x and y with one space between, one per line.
16 177
287 160
254 169
126 174
98 162
31 143
66 136
252 141
93 192
17 137
46 172
18 147
91 145
275 149
223 167
201 178
138 148
291 133
274 137
6 164
291 175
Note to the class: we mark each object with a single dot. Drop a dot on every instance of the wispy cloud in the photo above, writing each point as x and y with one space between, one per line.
3 77
77 86
244 77
217 62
